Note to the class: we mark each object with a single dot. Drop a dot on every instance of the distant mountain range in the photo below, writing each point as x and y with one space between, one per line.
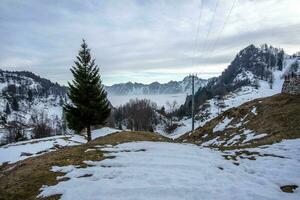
156 88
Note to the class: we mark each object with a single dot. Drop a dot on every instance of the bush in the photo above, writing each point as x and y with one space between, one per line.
137 115
171 127
15 132
41 130
41 125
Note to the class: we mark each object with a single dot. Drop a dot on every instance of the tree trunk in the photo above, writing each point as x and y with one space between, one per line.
88 132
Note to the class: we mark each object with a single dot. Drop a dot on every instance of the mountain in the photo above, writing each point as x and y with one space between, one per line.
241 82
155 88
255 123
250 65
27 100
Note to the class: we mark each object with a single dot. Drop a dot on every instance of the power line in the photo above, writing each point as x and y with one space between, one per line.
194 61
210 26
197 32
223 27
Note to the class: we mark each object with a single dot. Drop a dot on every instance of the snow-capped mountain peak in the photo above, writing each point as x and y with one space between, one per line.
156 88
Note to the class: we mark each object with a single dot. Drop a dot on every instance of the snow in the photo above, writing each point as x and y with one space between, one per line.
236 125
214 141
233 140
246 75
12 152
254 111
103 132
222 125
233 99
186 126
190 173
252 136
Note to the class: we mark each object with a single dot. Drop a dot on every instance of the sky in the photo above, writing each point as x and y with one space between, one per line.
138 40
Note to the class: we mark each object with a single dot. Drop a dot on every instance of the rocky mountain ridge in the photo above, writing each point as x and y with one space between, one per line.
156 88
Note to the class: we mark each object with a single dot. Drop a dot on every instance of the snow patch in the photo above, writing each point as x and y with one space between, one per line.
103 132
12 152
221 126
254 110
190 173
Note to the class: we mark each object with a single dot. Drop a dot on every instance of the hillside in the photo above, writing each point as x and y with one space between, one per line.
27 98
155 88
251 65
141 165
244 84
258 122
24 179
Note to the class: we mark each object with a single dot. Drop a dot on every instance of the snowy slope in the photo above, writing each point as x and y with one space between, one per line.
25 95
13 152
233 99
149 170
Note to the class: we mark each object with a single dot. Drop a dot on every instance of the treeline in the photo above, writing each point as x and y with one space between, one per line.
28 84
19 91
38 126
137 115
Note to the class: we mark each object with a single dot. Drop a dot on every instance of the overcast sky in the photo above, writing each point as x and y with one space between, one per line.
141 41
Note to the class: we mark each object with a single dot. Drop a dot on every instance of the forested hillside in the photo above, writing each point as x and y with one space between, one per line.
30 106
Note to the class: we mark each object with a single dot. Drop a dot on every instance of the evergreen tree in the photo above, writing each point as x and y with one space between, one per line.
61 101
64 123
89 103
280 59
7 109
30 96
15 104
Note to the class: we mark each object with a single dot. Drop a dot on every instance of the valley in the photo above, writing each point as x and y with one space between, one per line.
150 100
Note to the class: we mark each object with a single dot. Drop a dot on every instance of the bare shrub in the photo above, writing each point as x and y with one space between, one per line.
41 125
137 114
15 132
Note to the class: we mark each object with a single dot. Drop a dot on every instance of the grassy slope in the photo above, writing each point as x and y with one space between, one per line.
22 180
277 116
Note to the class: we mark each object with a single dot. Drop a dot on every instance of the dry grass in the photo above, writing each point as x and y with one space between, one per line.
277 116
23 179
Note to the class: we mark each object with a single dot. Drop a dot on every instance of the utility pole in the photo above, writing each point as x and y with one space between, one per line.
193 101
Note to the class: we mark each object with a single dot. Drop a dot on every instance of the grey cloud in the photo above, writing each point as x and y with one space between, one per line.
132 38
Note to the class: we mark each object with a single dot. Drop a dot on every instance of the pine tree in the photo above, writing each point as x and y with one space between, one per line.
7 109
30 96
89 102
15 104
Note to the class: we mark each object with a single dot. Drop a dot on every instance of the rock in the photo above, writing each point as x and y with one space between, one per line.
288 188
26 154
57 146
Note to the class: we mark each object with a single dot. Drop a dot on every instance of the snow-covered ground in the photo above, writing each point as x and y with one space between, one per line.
21 150
152 170
160 100
233 99
103 132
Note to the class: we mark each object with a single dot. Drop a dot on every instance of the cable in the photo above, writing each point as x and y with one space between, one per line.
197 32
223 27
210 26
